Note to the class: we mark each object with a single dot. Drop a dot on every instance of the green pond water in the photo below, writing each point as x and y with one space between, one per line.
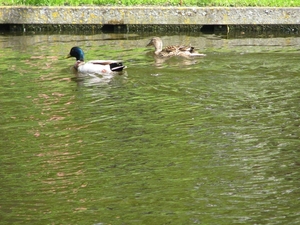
213 140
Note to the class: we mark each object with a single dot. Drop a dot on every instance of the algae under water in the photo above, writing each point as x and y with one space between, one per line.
213 140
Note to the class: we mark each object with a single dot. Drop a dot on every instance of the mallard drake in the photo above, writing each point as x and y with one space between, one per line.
94 66
172 50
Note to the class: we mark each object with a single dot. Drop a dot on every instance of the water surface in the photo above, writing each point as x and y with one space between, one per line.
213 140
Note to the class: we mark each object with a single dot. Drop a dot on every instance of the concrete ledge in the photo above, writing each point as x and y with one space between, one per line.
149 15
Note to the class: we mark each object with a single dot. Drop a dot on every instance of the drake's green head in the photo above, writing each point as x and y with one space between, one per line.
77 53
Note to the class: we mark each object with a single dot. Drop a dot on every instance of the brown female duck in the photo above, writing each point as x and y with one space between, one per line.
172 50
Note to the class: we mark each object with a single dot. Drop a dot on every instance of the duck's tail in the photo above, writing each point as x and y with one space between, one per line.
197 54
117 67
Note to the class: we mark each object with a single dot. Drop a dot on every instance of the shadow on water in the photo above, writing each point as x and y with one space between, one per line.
212 140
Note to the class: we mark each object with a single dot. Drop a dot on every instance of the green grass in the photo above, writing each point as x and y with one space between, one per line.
227 3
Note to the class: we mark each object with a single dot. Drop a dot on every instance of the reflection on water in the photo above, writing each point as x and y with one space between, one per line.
206 141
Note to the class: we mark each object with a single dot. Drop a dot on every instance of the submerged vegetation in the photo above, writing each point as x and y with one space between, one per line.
203 3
